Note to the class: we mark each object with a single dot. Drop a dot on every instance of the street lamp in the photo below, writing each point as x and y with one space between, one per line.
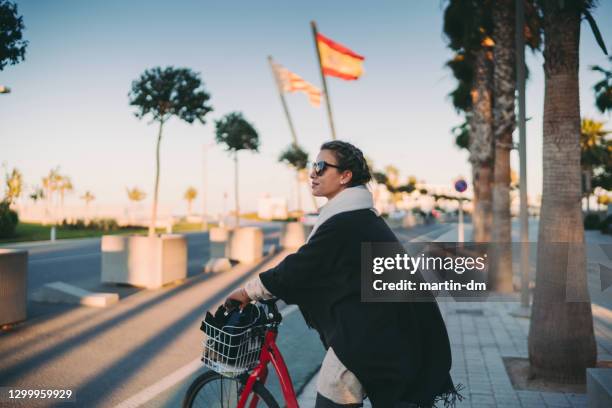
524 216
4 89
205 184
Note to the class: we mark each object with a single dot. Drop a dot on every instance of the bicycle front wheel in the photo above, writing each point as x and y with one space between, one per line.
212 390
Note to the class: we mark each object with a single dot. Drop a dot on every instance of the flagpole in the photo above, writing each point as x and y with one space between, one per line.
283 101
327 101
288 116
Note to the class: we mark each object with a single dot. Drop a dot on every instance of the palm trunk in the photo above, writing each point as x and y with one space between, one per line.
504 122
47 204
482 214
481 147
561 340
236 189
61 211
156 189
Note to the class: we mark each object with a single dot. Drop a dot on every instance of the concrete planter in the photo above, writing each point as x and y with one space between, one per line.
217 262
13 285
294 234
143 261
245 245
218 241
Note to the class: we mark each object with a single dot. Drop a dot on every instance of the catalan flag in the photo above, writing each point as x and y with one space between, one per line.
291 82
337 60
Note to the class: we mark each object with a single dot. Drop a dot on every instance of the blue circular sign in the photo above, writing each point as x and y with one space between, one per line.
460 185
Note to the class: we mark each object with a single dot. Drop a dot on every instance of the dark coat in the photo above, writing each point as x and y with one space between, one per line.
398 351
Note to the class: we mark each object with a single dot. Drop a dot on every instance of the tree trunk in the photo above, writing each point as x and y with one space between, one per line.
481 147
482 214
47 204
236 205
561 340
61 207
156 189
504 122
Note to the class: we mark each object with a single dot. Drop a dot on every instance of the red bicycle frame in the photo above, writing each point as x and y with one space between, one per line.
269 353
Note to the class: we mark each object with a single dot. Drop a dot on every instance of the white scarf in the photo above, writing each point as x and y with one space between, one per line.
349 199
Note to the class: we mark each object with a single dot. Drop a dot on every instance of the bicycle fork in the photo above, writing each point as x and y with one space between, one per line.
269 353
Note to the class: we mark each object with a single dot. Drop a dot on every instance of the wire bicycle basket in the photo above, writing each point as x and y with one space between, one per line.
232 350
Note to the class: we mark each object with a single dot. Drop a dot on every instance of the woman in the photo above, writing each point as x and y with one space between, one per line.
396 353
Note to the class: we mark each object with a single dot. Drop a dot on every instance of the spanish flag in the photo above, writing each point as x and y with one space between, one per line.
337 60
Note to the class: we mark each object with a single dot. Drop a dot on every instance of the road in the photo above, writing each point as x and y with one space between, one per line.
78 262
109 356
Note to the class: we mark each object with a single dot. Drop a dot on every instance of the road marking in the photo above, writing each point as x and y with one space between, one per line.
64 257
172 379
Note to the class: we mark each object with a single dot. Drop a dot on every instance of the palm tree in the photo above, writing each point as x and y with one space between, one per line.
476 31
237 134
603 89
468 27
561 340
87 197
594 152
504 122
481 143
50 185
297 158
65 186
14 186
37 194
462 135
190 194
135 195
164 93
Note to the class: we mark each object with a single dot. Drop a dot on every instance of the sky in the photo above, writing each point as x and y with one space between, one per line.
69 102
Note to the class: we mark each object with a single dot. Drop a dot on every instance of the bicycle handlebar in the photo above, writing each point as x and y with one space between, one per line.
273 314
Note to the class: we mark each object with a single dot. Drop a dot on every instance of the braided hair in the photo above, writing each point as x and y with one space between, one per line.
350 158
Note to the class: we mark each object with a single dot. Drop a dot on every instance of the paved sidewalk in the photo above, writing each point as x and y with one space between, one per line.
482 334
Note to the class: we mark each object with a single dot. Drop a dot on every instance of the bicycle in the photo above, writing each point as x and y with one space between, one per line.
238 362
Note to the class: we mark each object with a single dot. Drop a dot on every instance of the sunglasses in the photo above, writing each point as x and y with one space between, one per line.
320 166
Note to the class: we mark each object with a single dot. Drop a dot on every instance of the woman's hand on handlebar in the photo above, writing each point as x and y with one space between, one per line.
239 297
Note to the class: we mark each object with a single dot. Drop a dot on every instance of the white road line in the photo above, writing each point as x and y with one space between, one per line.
64 257
170 380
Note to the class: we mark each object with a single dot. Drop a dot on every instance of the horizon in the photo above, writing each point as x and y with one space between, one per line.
69 104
